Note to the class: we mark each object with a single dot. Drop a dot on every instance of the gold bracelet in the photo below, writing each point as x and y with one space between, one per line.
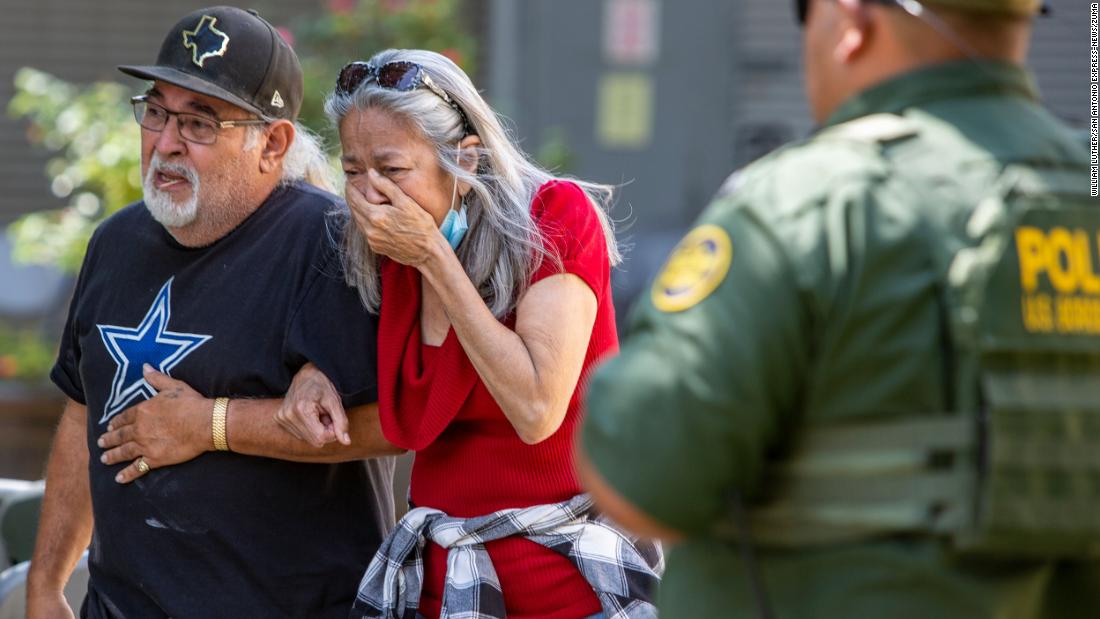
217 424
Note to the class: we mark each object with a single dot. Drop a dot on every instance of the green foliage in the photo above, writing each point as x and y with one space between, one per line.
96 145
91 131
357 29
555 154
26 356
96 168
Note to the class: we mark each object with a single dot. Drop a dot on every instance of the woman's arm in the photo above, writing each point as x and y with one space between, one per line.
175 426
532 371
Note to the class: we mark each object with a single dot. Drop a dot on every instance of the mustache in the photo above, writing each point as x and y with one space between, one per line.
168 167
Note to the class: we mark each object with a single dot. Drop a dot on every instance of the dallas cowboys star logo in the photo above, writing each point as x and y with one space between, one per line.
149 342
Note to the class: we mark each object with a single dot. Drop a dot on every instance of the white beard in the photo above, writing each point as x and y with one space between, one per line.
162 207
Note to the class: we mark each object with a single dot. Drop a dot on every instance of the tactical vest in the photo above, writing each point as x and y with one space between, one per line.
1015 470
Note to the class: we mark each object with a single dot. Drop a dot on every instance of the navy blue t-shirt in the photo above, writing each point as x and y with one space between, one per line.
225 535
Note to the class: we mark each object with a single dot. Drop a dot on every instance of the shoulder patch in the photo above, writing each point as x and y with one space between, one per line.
876 128
697 266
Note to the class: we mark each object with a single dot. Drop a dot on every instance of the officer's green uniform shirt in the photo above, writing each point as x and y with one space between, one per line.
806 296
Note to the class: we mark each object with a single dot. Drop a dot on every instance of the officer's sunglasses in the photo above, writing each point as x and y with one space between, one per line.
401 76
191 127
802 7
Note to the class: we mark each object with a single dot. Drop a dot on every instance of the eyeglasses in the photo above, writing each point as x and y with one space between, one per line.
191 127
401 76
802 7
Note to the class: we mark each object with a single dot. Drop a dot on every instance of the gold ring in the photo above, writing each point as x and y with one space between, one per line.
142 466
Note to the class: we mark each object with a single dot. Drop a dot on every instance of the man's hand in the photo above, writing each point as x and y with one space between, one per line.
172 427
48 606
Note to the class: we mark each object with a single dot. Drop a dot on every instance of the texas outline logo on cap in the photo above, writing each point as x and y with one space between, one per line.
205 41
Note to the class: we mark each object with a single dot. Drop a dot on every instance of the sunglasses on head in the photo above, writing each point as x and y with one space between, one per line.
401 76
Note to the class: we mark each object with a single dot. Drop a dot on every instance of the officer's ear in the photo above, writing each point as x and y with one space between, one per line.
855 25
277 139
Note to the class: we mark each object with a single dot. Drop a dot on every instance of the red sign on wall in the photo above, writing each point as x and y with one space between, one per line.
631 31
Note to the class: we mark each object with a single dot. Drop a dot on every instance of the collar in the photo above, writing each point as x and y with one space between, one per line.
952 80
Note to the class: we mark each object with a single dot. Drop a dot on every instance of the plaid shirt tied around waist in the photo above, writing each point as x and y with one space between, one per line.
622 570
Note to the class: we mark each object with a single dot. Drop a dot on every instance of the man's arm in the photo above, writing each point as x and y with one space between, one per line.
688 410
616 506
175 426
65 525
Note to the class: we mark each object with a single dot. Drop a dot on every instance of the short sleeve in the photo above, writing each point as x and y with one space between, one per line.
572 232
685 414
332 329
66 370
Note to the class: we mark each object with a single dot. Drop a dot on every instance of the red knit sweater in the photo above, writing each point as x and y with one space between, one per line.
469 459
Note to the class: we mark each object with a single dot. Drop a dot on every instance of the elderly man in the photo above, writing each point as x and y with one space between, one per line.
865 384
224 276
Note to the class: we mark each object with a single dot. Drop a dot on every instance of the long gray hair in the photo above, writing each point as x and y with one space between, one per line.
305 160
503 246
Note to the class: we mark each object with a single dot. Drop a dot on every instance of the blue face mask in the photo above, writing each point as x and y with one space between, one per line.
454 226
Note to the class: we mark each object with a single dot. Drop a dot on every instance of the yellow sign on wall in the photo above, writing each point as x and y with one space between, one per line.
624 113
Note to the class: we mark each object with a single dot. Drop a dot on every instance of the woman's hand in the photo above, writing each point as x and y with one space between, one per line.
400 230
169 428
312 410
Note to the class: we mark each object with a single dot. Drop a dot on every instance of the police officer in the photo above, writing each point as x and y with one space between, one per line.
864 385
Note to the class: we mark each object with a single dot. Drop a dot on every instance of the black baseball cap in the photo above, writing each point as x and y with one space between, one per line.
233 55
